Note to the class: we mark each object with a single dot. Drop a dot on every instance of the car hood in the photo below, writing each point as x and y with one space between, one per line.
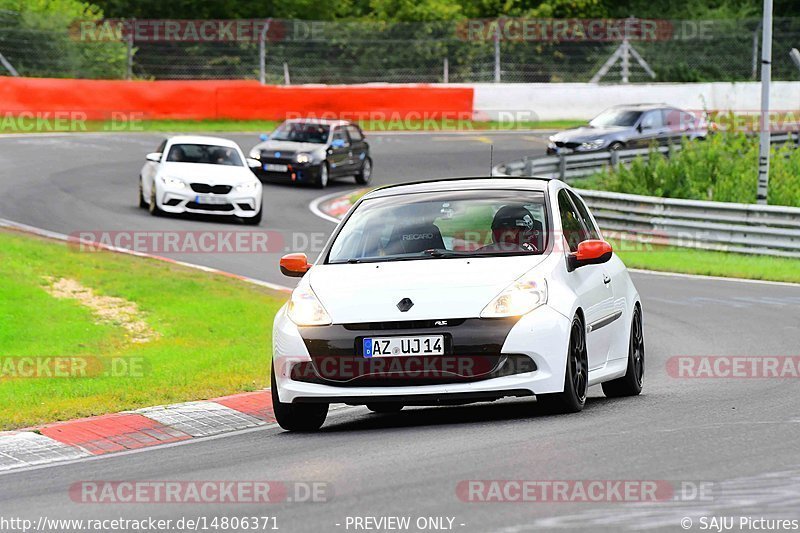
439 288
206 173
587 133
288 146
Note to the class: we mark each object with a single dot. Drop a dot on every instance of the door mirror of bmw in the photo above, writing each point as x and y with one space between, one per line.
253 163
591 252
294 265
155 157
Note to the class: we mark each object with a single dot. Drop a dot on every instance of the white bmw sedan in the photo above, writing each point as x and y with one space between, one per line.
196 174
457 291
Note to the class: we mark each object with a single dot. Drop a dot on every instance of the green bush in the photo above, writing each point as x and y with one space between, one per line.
723 168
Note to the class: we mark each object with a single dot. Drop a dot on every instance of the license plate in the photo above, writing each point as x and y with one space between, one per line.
403 346
272 167
211 200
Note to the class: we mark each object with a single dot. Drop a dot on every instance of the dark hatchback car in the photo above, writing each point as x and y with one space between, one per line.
630 126
313 152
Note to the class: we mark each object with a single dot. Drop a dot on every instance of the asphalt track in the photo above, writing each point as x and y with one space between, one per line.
741 435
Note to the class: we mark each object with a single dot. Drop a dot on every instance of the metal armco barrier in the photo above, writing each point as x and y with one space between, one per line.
744 228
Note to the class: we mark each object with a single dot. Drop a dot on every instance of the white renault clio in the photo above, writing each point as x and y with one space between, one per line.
198 174
457 291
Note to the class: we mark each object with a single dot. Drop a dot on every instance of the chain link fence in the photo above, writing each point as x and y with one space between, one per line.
509 50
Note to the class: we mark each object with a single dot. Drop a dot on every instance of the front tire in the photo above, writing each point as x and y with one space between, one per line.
153 206
142 203
615 146
631 383
324 175
254 221
296 416
576 376
365 174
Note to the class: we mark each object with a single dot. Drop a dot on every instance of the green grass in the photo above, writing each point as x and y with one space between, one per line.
10 125
723 168
708 262
214 332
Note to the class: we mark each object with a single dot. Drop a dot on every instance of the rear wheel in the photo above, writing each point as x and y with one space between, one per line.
576 377
631 383
297 416
365 174
385 407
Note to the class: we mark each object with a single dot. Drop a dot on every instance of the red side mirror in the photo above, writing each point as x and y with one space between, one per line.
294 265
592 252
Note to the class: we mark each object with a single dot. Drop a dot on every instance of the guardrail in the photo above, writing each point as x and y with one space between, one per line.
744 228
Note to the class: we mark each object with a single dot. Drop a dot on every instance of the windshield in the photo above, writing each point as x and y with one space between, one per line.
204 153
616 117
443 225
301 132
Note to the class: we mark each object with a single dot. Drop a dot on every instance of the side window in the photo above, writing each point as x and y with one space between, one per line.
161 147
652 120
571 224
340 134
355 134
583 212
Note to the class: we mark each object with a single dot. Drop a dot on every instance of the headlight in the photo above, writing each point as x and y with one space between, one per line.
255 153
248 186
519 298
592 145
306 310
302 157
173 183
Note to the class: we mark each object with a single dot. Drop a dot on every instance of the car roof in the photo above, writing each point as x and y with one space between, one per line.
464 183
328 122
202 139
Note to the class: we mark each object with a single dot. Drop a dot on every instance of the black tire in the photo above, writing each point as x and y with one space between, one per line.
324 176
631 383
254 221
153 205
297 416
576 376
365 174
616 145
385 407
142 203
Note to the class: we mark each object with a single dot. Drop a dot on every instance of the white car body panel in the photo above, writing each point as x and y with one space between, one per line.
461 288
209 174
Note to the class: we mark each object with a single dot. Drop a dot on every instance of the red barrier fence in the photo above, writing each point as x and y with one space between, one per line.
100 99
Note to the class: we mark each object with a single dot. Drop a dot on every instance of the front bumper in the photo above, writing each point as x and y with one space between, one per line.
296 173
541 337
244 205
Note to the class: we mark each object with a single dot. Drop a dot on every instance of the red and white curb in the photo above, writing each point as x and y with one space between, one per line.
131 430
